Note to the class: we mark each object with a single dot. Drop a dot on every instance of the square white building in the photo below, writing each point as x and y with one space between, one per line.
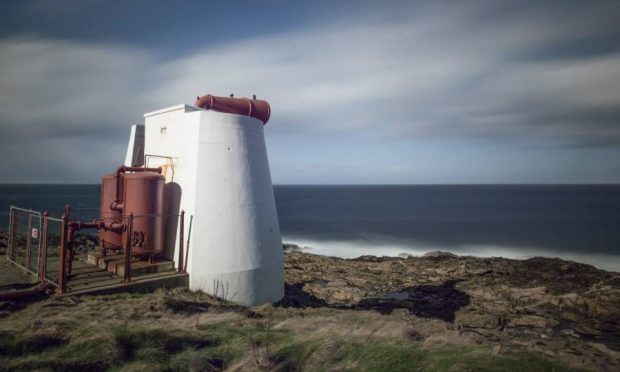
217 171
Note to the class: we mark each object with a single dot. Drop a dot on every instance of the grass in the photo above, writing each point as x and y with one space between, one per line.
157 345
180 331
15 344
256 346
409 356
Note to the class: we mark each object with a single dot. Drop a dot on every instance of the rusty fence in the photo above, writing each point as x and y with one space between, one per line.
142 240
25 239
35 242
51 250
39 244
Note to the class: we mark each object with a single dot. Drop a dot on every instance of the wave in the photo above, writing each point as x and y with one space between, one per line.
353 249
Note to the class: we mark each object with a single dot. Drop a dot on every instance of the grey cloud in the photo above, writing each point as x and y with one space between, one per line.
426 77
478 70
52 88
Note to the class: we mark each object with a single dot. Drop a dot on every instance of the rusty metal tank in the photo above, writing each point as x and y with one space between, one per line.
143 196
111 240
255 108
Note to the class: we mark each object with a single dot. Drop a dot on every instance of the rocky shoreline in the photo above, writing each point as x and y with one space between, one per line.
565 310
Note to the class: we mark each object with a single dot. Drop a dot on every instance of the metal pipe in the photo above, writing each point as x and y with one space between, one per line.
28 241
181 229
258 109
70 235
12 232
43 253
114 226
69 244
117 206
62 284
79 225
189 236
71 227
127 276
95 224
70 259
39 288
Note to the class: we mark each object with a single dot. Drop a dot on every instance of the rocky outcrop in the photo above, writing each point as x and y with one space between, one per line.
546 305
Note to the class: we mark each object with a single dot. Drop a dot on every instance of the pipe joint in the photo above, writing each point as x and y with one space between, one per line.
116 206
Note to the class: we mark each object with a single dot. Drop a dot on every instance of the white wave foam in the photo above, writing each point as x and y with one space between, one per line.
353 249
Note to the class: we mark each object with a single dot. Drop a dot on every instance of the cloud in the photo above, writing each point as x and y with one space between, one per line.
480 73
440 76
55 88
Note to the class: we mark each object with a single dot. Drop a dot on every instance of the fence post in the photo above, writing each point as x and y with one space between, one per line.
12 233
127 278
70 254
181 268
189 236
102 246
28 241
62 260
70 237
43 252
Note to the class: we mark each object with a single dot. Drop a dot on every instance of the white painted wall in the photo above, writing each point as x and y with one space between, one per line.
135 148
219 162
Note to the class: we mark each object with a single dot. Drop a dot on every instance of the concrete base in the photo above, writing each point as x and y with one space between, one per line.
116 264
248 288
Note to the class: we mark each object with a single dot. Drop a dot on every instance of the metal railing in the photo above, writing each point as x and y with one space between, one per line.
173 228
35 243
39 243
51 247
24 239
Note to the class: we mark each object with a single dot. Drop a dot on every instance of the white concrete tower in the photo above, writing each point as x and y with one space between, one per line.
217 170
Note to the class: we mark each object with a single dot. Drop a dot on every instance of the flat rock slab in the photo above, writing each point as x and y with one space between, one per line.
540 304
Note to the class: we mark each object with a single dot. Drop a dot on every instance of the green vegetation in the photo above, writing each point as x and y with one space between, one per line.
254 345
408 356
181 330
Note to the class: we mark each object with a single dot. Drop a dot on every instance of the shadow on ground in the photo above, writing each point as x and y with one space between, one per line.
425 301
295 296
10 306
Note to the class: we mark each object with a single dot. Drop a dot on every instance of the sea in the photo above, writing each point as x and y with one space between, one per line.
574 222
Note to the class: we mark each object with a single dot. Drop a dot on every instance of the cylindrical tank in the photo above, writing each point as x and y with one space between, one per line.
110 239
143 196
255 108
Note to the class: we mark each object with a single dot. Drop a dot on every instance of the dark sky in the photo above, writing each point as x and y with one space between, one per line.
361 92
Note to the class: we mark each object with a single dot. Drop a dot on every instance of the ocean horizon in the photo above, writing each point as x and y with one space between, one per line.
579 222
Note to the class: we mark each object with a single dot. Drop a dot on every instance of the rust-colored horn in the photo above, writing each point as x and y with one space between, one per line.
255 108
